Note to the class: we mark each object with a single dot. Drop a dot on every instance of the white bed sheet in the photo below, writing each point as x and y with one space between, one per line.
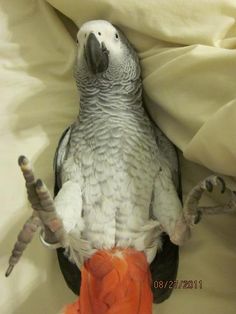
39 99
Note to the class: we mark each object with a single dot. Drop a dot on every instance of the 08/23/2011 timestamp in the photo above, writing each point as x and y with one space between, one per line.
177 284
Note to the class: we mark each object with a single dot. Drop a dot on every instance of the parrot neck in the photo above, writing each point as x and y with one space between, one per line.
114 281
113 97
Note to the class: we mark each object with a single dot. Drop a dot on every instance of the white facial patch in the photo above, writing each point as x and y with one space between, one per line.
105 33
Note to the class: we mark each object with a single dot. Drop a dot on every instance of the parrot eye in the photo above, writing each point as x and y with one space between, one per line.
117 36
99 34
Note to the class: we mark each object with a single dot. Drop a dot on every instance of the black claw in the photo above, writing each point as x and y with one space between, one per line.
223 184
209 186
9 270
198 217
39 183
22 160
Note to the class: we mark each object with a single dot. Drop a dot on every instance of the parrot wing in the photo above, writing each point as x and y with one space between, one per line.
164 267
170 155
60 156
70 271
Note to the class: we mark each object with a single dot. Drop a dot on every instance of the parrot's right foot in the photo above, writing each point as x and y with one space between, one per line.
44 215
24 237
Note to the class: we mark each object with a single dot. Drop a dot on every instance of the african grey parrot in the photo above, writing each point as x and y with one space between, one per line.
117 189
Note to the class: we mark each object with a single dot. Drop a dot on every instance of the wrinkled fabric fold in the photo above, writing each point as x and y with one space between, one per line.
187 50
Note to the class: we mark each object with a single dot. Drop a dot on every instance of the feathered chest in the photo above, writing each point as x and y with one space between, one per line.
117 162
116 148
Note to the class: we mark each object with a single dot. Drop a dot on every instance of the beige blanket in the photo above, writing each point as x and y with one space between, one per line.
188 57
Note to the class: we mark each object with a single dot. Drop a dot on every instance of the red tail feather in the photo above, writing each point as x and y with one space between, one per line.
114 282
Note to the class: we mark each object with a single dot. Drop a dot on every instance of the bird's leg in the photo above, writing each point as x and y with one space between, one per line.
54 231
193 212
44 215
167 208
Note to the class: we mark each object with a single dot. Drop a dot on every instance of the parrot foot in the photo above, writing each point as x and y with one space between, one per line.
44 215
25 236
193 212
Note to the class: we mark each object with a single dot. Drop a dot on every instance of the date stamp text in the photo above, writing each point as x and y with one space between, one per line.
177 284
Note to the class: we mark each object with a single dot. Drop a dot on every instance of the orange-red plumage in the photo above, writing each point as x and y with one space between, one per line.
114 282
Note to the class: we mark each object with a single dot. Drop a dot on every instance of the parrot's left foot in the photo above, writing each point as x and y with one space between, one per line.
193 212
44 215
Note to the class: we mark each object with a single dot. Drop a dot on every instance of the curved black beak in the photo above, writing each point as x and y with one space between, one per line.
96 55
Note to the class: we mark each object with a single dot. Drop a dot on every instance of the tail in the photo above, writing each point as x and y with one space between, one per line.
113 282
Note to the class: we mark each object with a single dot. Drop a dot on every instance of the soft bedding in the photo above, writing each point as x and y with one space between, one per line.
188 56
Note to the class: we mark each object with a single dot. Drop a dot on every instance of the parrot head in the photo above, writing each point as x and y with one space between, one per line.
114 281
104 53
